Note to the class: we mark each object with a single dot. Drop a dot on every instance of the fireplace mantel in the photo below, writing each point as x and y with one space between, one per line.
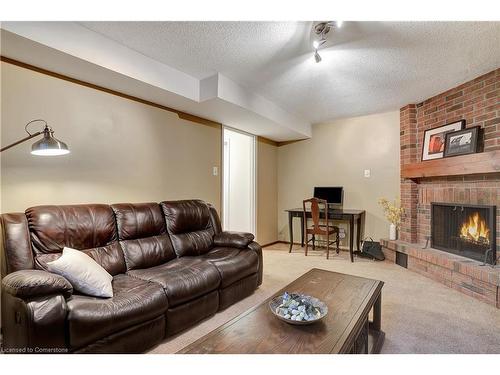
480 163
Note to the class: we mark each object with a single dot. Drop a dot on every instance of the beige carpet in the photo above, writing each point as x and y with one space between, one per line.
418 315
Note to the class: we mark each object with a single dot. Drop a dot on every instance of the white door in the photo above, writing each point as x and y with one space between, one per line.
238 209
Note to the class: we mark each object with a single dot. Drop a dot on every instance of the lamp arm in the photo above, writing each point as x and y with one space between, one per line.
32 121
30 135
21 141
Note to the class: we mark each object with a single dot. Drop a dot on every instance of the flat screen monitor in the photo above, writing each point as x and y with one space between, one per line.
333 195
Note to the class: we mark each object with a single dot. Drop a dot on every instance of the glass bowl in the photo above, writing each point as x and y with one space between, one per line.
289 306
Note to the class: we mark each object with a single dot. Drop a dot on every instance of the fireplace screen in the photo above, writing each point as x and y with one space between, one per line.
465 230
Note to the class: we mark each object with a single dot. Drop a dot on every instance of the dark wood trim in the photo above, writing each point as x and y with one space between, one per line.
284 143
199 120
480 163
278 144
267 141
182 115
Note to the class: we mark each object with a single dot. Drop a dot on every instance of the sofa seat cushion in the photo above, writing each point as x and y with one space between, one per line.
134 301
183 279
233 264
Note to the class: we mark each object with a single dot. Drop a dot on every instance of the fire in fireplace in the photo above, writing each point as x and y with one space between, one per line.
464 230
475 230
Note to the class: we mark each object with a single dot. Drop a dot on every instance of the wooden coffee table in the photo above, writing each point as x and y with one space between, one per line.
346 328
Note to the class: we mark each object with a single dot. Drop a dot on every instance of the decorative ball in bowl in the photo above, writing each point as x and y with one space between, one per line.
298 309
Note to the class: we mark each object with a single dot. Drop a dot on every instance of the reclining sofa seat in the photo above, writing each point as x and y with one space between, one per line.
172 266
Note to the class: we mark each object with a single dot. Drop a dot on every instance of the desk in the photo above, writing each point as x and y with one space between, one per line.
350 216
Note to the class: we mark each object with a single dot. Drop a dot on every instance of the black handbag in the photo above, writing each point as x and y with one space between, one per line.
371 249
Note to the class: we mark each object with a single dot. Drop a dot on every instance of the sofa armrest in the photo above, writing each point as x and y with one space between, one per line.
27 284
254 246
233 239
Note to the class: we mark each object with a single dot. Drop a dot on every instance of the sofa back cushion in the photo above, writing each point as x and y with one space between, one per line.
142 234
189 226
16 253
214 218
90 228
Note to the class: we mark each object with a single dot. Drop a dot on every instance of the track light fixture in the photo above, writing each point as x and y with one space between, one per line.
321 30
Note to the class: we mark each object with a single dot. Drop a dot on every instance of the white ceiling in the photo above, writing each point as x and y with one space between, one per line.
75 51
367 67
260 77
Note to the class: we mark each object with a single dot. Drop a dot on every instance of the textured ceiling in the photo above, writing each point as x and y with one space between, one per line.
367 67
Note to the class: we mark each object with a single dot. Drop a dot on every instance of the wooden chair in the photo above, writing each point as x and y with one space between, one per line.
317 206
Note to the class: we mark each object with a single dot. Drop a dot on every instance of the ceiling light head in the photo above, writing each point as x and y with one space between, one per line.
49 145
317 57
318 43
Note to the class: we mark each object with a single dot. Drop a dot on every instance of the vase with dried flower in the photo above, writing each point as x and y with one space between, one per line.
393 213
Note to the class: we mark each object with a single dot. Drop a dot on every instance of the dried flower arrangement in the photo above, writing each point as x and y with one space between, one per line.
392 210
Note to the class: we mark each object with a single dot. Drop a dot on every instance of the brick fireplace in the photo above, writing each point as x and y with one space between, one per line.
473 179
478 103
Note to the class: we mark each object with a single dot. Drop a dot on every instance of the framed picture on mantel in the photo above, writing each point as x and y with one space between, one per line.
462 142
435 140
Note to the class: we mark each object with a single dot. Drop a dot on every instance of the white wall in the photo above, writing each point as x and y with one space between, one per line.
267 192
239 182
121 150
337 155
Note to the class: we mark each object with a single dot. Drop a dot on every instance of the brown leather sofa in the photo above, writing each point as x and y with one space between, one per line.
172 266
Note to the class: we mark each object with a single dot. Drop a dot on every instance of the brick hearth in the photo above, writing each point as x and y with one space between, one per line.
465 275
478 102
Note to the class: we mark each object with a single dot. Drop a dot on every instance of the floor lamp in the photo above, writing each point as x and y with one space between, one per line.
47 146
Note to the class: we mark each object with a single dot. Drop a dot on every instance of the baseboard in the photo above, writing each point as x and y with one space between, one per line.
343 248
271 243
279 241
288 242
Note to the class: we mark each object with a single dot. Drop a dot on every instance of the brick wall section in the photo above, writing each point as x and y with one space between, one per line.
408 154
470 278
476 101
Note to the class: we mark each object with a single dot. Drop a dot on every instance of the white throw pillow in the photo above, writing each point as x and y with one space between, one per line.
83 272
